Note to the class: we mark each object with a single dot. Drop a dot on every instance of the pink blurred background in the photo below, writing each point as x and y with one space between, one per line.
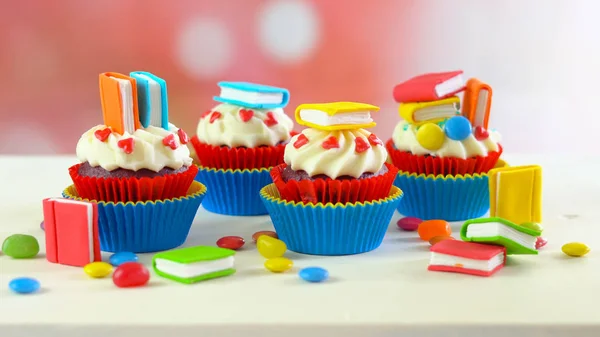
538 58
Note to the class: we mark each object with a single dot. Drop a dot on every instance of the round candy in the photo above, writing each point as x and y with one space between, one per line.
533 225
457 128
98 269
130 274
21 246
256 235
24 285
278 264
270 247
42 226
437 239
231 242
430 228
540 242
314 274
118 259
431 136
575 249
409 223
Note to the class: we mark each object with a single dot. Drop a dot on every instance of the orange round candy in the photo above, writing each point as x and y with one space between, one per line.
430 228
437 239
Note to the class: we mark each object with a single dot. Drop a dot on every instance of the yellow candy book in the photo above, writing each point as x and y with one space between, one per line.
435 111
516 193
336 115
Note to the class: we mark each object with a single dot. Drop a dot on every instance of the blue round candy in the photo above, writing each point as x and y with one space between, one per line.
118 259
457 128
313 274
24 285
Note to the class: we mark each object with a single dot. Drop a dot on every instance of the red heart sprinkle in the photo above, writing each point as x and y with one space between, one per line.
126 145
246 115
361 145
183 137
170 141
205 114
330 143
300 141
216 115
374 140
540 242
270 120
480 133
103 134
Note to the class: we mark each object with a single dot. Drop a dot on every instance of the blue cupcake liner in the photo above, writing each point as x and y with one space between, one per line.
234 192
450 198
144 227
331 229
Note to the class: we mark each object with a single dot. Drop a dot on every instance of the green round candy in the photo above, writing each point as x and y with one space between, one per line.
533 225
21 246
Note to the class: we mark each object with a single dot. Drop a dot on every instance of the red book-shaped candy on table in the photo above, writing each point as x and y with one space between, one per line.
71 229
467 257
430 87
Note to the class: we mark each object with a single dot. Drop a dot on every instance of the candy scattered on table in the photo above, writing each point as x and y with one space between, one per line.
430 228
541 242
98 269
437 239
279 264
118 259
231 242
24 285
409 223
42 226
270 247
575 249
256 235
131 274
431 136
314 274
533 225
457 128
21 246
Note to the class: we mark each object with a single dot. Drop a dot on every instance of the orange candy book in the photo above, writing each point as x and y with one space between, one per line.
118 94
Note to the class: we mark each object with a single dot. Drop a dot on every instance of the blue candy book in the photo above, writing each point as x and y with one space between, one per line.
153 105
251 95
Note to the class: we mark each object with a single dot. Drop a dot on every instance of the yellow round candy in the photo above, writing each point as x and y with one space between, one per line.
431 136
278 264
98 269
575 249
270 247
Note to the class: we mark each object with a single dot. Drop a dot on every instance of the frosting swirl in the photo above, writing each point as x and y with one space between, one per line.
405 139
237 126
144 149
335 153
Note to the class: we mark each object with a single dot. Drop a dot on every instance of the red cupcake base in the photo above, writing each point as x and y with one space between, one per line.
223 157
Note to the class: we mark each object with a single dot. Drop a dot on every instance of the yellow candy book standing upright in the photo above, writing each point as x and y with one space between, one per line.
516 193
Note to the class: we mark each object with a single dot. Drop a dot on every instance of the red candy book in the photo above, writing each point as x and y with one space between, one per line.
71 229
430 87
467 258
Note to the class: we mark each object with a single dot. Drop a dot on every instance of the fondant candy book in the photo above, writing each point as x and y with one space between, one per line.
336 116
194 264
516 193
252 95
118 94
430 87
419 113
517 239
152 96
477 103
467 258
71 229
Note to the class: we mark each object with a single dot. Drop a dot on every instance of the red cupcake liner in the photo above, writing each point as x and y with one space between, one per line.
427 165
133 189
332 190
223 157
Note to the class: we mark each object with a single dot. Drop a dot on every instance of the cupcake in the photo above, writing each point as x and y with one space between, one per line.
444 154
237 142
334 194
137 167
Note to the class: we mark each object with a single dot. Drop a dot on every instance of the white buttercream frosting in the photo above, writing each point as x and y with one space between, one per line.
148 152
344 160
405 139
228 127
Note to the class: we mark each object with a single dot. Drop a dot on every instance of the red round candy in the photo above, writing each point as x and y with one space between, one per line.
409 223
131 274
231 242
